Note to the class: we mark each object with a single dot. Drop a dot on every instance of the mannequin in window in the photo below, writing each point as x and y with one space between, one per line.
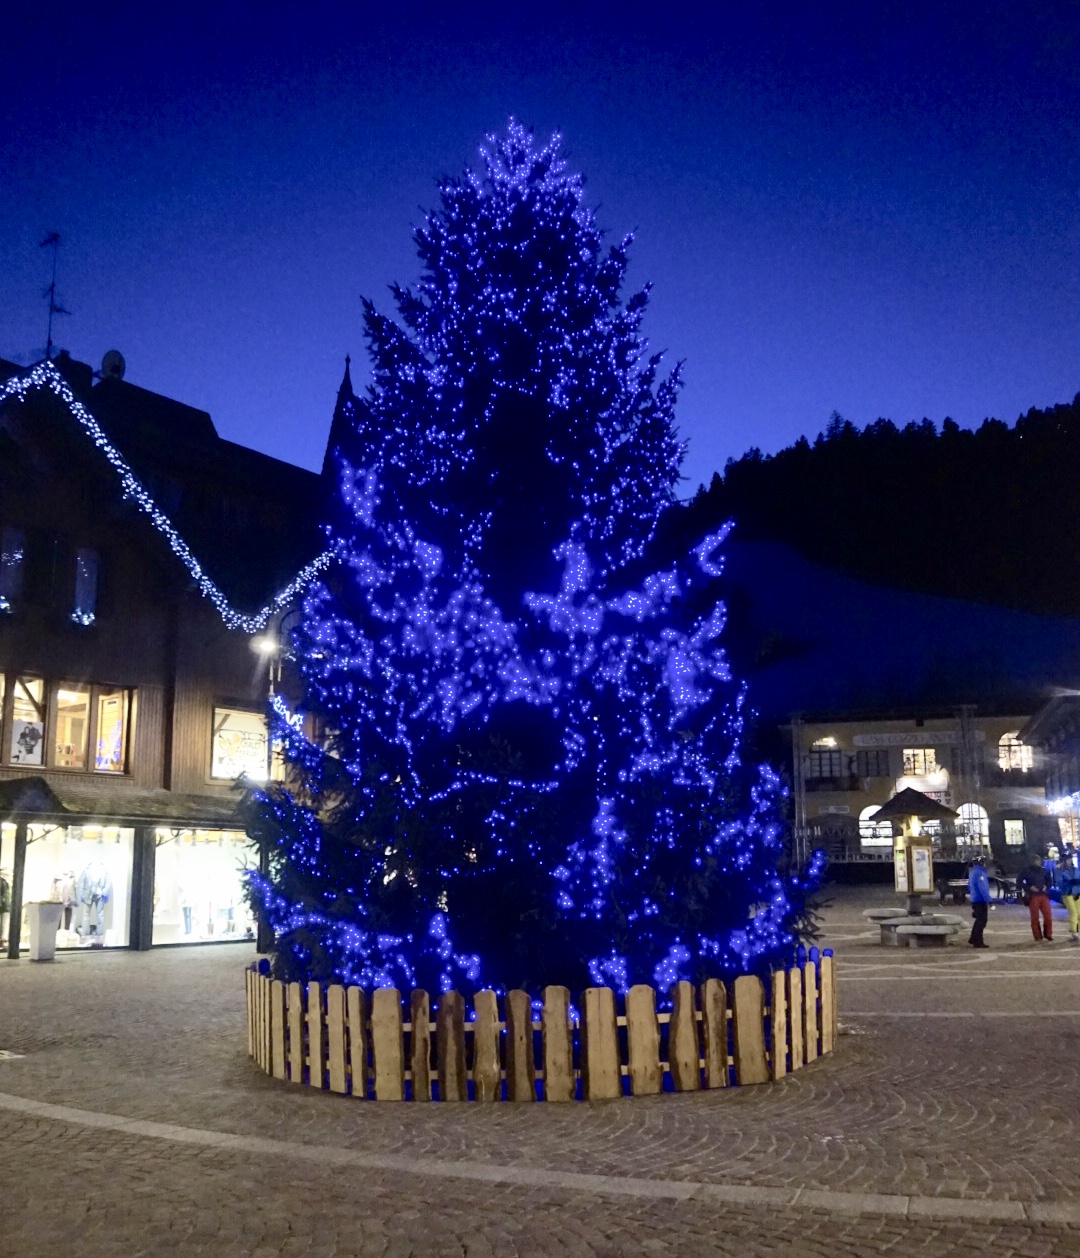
93 890
63 892
185 908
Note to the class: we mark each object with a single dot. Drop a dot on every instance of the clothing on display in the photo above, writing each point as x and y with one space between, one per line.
63 892
93 890
199 886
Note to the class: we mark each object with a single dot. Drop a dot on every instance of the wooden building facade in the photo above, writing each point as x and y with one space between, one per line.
140 556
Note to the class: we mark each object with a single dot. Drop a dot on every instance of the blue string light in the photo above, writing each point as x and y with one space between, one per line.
438 629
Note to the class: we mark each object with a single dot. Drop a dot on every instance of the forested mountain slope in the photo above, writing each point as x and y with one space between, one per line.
991 515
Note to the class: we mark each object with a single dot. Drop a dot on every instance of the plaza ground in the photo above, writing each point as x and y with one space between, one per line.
947 1122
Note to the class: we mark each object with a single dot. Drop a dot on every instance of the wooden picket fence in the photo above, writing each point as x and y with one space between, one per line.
340 1039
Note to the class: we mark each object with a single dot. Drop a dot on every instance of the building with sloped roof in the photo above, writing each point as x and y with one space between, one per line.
141 554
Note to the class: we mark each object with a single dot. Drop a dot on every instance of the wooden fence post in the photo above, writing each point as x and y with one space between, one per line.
258 993
600 1045
335 1037
779 1024
264 1023
714 1024
795 1004
316 1056
420 1047
810 1024
487 1071
643 1041
450 1047
248 973
294 1014
559 1082
828 1004
356 1010
684 1050
520 1064
749 1009
277 1027
387 1050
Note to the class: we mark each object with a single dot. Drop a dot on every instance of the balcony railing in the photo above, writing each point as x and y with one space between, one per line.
844 782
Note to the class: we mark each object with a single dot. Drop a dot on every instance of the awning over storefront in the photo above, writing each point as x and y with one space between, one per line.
23 799
34 799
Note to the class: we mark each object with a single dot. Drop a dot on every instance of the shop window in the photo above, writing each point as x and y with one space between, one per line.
199 886
239 746
86 586
972 825
920 762
28 721
874 833
1069 829
872 764
12 564
68 725
87 870
71 726
1014 832
1013 754
113 710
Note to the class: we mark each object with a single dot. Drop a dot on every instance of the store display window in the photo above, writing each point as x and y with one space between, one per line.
28 721
238 746
199 886
87 869
66 724
113 707
71 726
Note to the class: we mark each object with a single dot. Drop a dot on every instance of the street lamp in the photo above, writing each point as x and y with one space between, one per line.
268 645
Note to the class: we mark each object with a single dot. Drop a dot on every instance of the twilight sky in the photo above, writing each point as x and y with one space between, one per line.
866 208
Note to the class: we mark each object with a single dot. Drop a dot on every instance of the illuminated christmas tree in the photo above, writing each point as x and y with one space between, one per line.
530 767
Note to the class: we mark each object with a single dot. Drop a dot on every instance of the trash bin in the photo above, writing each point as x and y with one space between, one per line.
44 917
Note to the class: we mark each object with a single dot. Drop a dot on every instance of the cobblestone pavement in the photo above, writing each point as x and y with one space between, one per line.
945 1123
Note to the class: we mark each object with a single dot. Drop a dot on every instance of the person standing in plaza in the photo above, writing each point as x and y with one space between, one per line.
1069 878
979 895
1033 885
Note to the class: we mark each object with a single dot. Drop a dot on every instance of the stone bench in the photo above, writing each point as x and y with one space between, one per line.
903 932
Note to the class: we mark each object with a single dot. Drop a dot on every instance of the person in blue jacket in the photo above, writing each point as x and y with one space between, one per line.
1069 882
979 895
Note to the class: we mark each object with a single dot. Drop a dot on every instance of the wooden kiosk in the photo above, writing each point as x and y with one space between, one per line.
913 874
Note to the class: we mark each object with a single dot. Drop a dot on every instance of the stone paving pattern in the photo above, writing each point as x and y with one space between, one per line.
956 1083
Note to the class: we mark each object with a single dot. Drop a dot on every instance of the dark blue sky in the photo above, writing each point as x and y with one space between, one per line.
867 208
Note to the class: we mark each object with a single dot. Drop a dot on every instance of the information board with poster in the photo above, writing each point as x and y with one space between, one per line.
922 868
900 869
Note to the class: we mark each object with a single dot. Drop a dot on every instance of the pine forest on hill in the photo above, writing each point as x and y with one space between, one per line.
991 515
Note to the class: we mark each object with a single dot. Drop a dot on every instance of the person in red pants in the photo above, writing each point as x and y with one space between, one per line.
1033 884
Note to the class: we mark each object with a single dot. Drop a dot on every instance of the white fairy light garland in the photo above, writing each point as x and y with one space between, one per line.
44 375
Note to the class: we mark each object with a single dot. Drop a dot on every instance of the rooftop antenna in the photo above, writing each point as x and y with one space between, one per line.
52 241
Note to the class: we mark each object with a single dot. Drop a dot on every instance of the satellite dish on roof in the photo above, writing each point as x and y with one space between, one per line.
113 365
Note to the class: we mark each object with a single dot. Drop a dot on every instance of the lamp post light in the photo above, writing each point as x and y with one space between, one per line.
269 646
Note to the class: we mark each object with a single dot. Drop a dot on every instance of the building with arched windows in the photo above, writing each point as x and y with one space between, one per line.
978 764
